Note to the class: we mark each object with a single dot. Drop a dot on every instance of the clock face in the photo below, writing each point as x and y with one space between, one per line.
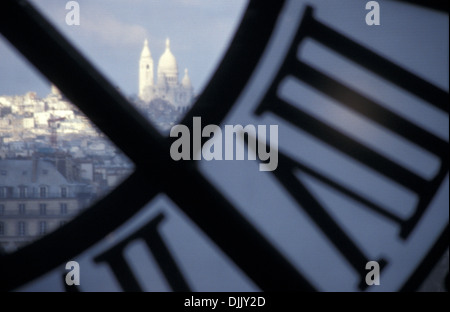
343 181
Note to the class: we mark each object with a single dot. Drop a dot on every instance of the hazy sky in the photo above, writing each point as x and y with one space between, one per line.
111 34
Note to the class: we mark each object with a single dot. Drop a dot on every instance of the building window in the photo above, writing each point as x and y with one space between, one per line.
63 192
21 209
3 172
2 192
63 208
42 228
2 228
21 228
43 192
42 209
2 209
9 191
62 223
22 191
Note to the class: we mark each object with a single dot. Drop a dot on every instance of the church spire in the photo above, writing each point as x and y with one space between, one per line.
145 72
167 44
186 81
146 50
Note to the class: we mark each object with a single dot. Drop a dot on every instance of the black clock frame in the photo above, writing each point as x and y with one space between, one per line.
62 64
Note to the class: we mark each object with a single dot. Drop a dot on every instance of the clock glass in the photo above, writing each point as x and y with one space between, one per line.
290 146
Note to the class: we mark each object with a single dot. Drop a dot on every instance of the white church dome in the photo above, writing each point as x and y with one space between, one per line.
167 64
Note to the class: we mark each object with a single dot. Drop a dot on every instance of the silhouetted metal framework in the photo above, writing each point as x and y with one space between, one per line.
62 64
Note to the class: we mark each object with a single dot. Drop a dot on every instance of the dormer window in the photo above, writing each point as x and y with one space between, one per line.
63 192
43 192
22 191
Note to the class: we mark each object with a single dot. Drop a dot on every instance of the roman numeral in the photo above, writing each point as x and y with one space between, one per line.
122 271
295 68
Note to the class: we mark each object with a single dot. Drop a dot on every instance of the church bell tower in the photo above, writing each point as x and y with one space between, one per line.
146 79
